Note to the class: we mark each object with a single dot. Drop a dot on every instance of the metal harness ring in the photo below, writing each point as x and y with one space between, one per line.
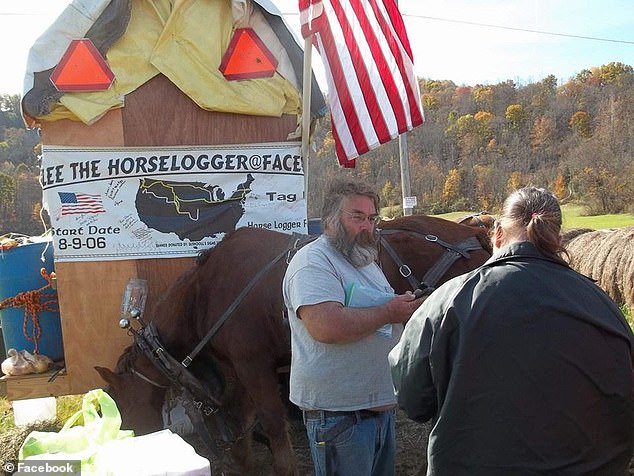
405 271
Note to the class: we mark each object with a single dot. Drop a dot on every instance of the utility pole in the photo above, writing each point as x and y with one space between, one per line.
407 201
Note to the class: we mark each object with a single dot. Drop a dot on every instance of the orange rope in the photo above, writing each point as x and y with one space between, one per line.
34 302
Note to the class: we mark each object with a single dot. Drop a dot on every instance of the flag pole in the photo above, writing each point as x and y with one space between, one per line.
405 181
306 93
403 153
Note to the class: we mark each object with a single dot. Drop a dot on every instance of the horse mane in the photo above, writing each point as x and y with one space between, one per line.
127 358
177 311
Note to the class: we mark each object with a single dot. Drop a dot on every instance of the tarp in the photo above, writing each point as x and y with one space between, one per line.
184 41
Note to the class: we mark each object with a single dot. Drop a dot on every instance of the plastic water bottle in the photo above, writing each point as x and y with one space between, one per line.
134 298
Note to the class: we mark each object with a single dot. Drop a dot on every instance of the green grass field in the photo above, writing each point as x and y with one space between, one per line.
573 217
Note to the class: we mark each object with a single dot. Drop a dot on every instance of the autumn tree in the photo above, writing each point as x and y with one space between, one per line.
514 182
580 123
516 115
543 133
484 186
390 195
452 185
483 96
559 187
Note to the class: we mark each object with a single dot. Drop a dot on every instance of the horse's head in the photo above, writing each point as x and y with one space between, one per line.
139 389
429 250
479 220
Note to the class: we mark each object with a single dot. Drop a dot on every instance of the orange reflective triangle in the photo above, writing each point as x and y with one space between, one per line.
82 68
247 57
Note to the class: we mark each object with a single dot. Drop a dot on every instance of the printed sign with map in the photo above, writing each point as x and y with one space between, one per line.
131 203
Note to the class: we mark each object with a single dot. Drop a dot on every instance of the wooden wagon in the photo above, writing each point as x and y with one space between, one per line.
174 87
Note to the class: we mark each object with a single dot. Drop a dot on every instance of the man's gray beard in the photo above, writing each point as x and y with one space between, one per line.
360 251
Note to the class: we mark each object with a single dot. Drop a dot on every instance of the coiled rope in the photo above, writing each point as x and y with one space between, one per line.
34 303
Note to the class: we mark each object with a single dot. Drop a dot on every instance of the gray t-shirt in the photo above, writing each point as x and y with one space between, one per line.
336 377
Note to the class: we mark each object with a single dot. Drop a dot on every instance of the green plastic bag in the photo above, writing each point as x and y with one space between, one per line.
75 441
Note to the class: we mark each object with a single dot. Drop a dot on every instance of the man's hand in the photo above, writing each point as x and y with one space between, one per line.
401 308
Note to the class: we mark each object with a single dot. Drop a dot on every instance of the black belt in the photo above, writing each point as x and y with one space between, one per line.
318 414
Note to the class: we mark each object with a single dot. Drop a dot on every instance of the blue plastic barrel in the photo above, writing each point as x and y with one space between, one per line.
314 226
20 271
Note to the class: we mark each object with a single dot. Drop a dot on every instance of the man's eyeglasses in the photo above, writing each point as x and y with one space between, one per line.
359 217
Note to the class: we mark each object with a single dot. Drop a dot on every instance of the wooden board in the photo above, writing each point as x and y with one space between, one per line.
157 114
73 133
34 386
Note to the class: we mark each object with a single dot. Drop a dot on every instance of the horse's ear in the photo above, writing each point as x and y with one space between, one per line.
108 376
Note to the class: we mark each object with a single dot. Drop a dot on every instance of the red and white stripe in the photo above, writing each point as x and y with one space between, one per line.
84 204
373 92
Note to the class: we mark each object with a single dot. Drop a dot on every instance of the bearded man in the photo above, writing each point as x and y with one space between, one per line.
340 375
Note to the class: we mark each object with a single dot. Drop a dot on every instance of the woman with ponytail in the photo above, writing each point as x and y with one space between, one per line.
523 365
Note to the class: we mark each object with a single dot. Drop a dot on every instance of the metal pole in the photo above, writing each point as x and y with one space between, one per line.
404 161
405 182
306 93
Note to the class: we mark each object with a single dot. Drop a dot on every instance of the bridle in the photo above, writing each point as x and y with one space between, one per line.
428 283
476 218
147 379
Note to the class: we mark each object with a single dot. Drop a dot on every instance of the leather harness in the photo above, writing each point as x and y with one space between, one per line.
452 253
197 400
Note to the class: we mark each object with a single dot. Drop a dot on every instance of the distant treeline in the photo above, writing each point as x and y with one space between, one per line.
480 142
477 144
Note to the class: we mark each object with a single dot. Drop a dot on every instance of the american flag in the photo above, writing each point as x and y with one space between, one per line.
80 203
372 88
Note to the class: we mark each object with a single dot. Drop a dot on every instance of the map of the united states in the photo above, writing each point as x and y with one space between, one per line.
192 210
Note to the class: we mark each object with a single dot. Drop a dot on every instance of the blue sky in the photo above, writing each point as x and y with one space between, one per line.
456 40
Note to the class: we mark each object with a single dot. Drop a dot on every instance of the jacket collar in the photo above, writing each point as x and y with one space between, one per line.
519 250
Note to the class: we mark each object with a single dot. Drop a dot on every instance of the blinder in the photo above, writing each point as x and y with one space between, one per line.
148 341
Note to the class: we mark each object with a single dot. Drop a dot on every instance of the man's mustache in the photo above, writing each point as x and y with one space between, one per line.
365 239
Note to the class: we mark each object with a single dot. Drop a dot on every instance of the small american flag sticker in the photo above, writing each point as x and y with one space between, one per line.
80 203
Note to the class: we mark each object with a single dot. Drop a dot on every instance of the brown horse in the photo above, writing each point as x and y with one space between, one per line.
243 358
481 219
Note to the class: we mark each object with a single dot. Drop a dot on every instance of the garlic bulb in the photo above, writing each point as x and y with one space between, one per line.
40 363
16 364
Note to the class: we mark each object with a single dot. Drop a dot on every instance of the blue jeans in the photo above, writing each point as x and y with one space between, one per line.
361 445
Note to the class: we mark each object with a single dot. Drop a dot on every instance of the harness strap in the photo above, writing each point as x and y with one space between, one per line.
147 379
405 270
296 239
148 341
434 239
440 267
